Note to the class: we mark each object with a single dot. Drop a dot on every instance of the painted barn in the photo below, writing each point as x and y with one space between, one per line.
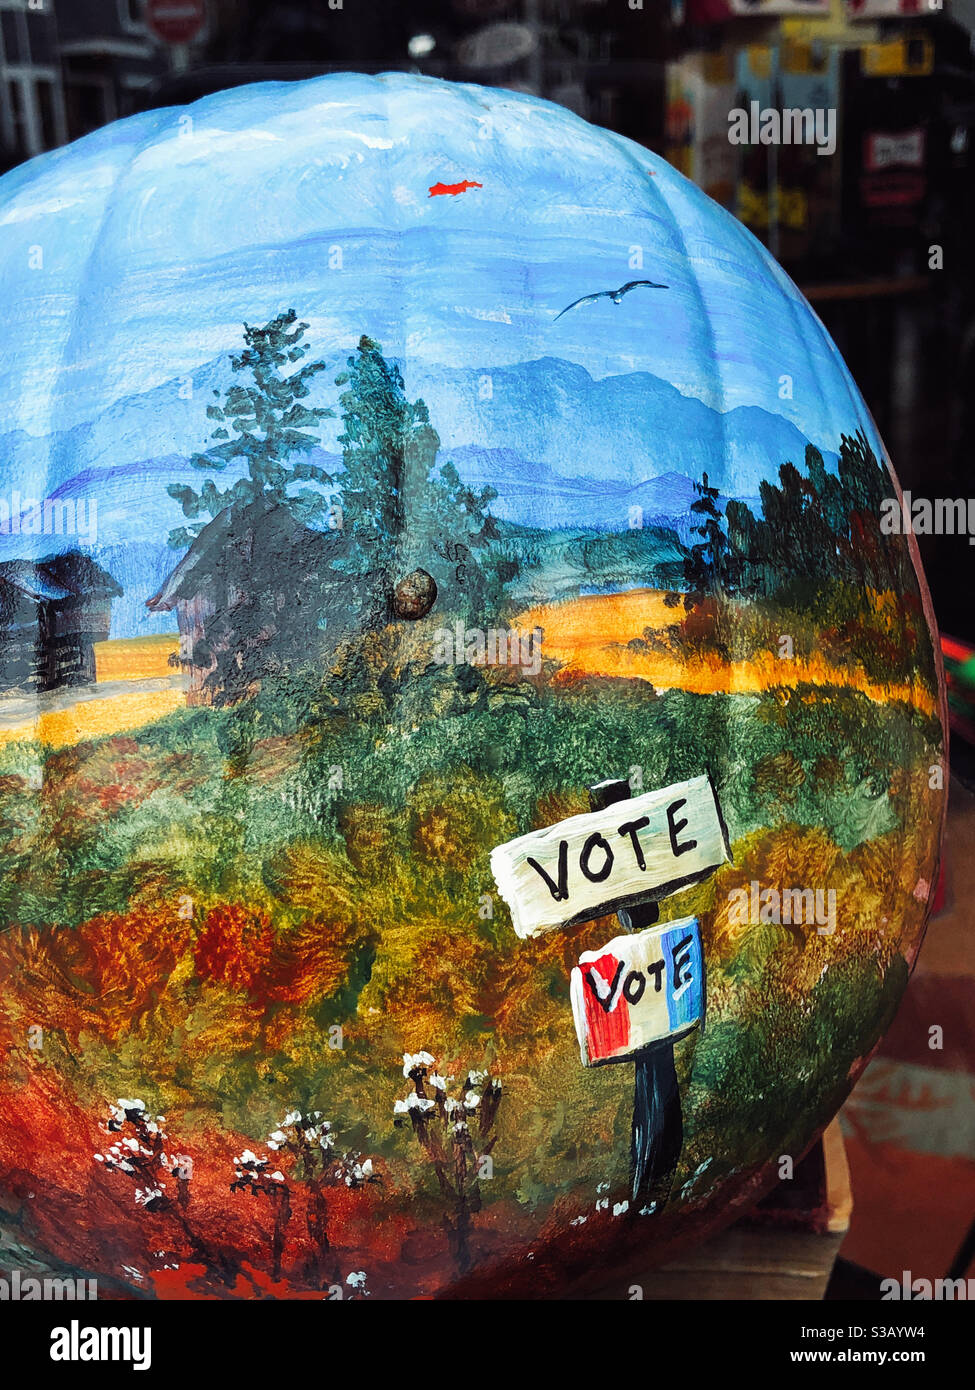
250 575
52 612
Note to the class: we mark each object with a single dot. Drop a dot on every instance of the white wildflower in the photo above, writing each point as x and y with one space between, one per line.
417 1059
412 1102
143 1198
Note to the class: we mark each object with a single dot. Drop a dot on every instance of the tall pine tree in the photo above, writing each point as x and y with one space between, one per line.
398 506
712 565
263 421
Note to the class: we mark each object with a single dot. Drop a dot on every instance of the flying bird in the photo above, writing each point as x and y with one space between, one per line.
615 295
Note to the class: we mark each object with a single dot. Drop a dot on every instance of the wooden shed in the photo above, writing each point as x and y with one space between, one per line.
52 612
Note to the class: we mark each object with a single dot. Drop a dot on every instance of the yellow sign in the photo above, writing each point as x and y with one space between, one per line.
895 59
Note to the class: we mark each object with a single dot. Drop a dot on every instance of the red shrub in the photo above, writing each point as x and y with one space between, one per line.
104 974
313 961
235 946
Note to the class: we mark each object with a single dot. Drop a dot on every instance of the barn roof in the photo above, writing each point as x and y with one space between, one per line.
197 564
58 578
269 528
30 580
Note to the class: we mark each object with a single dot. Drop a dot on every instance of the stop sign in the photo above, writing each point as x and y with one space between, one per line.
176 21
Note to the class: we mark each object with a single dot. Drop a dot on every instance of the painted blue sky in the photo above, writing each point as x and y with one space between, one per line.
160 235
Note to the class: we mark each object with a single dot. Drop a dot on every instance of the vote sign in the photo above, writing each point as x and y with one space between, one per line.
639 989
645 847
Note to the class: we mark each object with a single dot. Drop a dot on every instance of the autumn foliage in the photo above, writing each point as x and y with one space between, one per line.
103 976
235 946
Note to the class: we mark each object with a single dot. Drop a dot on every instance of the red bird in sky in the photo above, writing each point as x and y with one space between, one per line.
439 189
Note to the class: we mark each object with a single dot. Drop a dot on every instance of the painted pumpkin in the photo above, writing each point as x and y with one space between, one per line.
456 632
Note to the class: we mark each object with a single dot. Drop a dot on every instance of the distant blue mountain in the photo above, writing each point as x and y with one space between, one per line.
561 448
535 495
624 429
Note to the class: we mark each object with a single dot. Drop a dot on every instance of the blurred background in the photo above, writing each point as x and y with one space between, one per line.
880 236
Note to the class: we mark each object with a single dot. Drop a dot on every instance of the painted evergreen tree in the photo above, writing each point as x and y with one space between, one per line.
264 421
398 506
712 565
290 572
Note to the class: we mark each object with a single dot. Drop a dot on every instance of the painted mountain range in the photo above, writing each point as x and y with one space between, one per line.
561 448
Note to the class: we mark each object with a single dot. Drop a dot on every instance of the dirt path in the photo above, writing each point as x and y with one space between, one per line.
72 714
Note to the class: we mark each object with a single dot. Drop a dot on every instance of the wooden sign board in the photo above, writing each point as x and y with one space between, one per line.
639 989
635 850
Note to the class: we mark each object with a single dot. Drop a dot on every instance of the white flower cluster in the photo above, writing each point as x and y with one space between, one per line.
144 1196
353 1170
180 1165
133 1112
136 1154
311 1128
119 1157
416 1061
413 1102
460 1109
420 1067
251 1171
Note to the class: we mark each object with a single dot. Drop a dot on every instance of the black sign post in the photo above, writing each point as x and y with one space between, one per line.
658 1125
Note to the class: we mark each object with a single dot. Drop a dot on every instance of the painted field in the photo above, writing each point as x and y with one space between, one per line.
606 635
135 686
136 658
87 719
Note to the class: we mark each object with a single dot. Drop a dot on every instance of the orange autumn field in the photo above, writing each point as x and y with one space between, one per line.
589 636
136 658
73 716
